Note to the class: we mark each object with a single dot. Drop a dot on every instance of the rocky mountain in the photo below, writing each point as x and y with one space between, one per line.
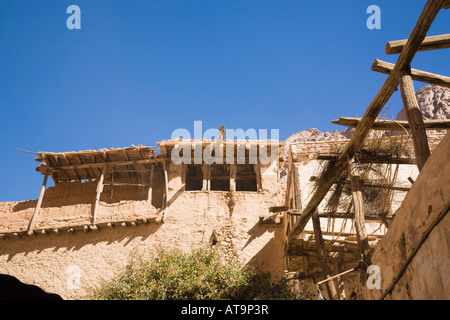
434 102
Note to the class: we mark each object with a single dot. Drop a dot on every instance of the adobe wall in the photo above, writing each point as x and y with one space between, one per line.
70 263
427 275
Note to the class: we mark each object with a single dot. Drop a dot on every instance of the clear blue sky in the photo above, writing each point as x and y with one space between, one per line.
138 69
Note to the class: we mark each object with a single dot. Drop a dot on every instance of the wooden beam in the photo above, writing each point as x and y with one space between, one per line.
394 125
446 4
257 169
335 170
206 170
415 119
99 191
233 172
418 75
38 205
360 226
429 43
323 257
150 188
297 190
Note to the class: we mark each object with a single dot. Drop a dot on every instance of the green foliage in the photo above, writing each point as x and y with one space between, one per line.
198 275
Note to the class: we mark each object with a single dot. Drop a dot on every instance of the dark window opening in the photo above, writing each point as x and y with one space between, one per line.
246 178
220 177
194 177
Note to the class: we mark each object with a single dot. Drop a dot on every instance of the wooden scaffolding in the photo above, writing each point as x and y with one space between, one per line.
342 164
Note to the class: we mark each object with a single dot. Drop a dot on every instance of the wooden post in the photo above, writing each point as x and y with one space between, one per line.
360 225
166 188
323 256
257 168
150 188
99 191
233 171
38 205
415 118
297 190
206 169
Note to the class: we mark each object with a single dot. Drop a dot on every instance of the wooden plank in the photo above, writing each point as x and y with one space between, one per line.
360 226
415 119
334 171
429 43
446 4
99 191
38 205
394 125
418 75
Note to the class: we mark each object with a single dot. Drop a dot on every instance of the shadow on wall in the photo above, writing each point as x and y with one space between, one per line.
76 241
269 258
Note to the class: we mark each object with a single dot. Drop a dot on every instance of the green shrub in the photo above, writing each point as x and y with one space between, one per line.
198 275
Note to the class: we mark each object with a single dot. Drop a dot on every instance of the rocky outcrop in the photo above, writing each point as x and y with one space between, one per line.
434 102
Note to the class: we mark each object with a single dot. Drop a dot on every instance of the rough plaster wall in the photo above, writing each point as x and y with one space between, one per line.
427 275
57 262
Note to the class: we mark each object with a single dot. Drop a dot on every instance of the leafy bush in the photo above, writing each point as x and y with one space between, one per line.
198 275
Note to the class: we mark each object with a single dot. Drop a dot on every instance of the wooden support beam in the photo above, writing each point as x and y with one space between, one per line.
297 191
335 170
150 188
415 119
394 125
166 189
429 43
446 4
233 172
257 169
417 75
38 205
323 257
206 170
99 191
360 226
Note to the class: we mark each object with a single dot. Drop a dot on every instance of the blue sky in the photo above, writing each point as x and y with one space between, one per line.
137 70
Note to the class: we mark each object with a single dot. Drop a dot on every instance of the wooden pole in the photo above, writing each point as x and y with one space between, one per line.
394 125
206 169
360 226
257 169
38 205
323 257
99 191
297 190
233 171
415 119
150 188
166 189
429 43
417 75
